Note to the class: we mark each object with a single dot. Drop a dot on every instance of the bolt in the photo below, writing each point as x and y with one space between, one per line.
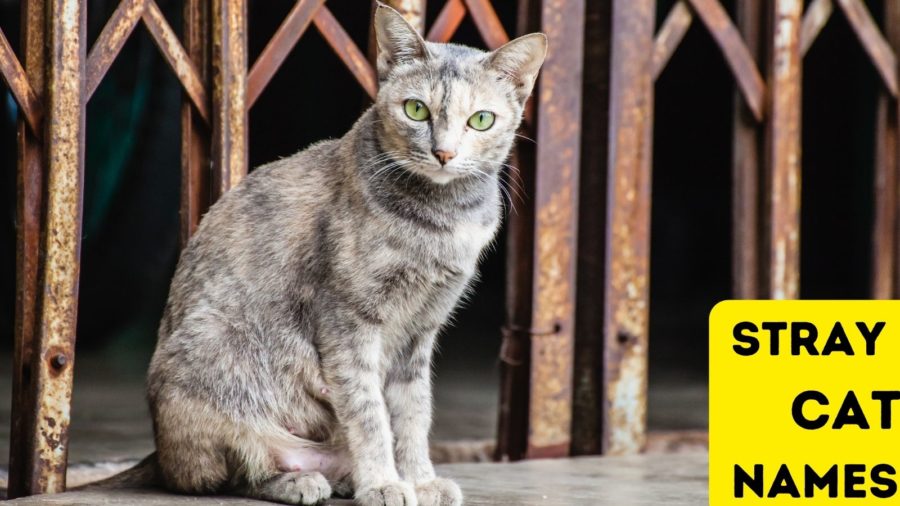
59 361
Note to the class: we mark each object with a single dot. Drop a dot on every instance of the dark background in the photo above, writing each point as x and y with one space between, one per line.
132 180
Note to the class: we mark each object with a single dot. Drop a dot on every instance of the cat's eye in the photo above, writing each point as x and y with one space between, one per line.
416 110
481 120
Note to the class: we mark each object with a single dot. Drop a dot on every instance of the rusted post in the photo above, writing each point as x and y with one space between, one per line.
195 180
28 232
628 230
783 143
46 443
885 247
515 350
747 167
587 385
229 96
555 229
411 10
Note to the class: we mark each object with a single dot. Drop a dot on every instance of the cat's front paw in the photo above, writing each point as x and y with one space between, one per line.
396 493
439 492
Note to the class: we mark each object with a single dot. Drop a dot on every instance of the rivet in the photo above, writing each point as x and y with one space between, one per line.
59 361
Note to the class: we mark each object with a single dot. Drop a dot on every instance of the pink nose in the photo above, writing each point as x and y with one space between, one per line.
444 156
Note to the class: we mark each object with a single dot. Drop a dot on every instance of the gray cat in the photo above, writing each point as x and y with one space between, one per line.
294 353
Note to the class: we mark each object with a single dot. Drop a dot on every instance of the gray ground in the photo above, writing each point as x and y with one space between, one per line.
673 480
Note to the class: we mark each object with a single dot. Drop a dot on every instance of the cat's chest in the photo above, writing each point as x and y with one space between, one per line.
428 270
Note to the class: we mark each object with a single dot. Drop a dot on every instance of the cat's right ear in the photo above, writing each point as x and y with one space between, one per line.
398 41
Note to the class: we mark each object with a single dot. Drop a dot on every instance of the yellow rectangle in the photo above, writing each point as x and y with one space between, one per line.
792 410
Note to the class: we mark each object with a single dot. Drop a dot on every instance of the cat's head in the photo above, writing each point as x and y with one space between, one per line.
448 111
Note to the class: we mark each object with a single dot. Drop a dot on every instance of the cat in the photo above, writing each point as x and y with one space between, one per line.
294 354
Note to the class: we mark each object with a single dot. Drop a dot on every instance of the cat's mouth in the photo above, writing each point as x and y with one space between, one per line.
439 174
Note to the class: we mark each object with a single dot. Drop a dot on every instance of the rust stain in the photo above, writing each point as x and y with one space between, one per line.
558 148
627 395
229 55
552 348
554 259
784 156
58 300
628 239
411 10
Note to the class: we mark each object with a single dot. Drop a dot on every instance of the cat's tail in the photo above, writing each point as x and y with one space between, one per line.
144 474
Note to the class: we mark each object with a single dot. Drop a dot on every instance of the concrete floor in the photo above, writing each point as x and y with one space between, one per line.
110 430
673 480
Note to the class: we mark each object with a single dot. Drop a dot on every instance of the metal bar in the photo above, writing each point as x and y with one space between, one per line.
278 48
195 184
447 22
628 231
746 167
347 50
555 230
54 353
873 42
673 30
12 72
176 57
515 351
737 56
816 17
784 150
587 395
229 83
487 22
884 232
29 185
110 43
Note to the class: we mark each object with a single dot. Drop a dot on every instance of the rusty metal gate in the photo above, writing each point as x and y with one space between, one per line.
552 403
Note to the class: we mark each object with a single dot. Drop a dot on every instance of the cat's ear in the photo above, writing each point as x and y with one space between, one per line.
398 42
520 60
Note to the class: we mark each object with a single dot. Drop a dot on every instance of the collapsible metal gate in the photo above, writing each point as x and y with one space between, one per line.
552 404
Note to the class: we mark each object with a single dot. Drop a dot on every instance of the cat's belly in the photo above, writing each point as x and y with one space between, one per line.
307 457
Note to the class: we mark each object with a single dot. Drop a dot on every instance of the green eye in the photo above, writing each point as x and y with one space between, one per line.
416 110
481 120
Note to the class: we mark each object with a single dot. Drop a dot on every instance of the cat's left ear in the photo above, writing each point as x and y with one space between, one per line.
398 42
520 60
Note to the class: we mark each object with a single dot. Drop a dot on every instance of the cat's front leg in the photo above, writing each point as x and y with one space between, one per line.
351 366
409 401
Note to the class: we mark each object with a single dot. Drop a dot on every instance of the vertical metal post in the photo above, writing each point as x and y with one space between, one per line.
784 149
628 231
747 250
28 233
885 234
587 387
515 350
412 10
54 352
229 96
195 171
555 230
